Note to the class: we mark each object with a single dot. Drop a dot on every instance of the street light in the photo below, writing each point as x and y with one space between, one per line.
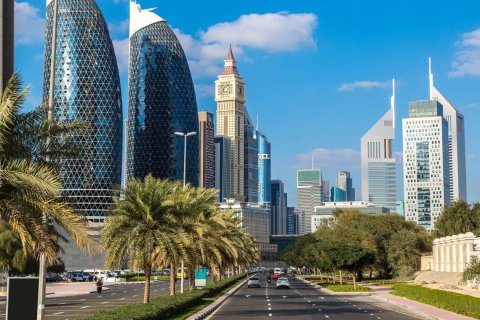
185 135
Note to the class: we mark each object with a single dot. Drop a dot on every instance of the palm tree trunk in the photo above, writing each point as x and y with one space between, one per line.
146 293
191 279
341 277
173 273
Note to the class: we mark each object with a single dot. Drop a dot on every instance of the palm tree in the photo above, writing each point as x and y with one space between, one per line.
29 190
141 230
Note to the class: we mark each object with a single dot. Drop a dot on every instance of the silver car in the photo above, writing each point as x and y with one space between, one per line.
283 283
253 282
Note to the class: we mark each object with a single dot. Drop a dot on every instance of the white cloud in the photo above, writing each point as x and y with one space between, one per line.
121 52
328 159
363 85
270 32
467 58
29 26
121 26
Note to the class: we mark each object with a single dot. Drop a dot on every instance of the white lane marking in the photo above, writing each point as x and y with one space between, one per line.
309 301
83 299
269 314
268 300
326 316
85 307
320 310
313 304
58 313
371 314
324 298
379 318
114 293
122 298
270 309
136 295
60 303
105 302
125 291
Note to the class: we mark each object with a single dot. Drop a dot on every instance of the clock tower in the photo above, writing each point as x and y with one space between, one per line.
230 99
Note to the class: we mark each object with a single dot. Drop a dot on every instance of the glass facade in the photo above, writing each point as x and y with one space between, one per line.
251 161
264 169
338 195
423 161
87 90
161 101
424 204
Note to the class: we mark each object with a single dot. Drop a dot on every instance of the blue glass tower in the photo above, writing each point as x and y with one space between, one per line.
87 90
161 101
264 169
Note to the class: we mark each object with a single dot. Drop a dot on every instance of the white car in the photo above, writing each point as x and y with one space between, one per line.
253 282
283 283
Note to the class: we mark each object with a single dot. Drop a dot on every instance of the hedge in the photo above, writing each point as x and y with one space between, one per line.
164 306
345 288
451 301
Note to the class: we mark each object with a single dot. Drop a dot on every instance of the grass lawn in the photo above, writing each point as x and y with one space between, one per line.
451 301
345 288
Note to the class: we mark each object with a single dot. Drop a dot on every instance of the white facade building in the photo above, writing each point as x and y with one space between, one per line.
309 195
379 184
425 162
452 254
456 144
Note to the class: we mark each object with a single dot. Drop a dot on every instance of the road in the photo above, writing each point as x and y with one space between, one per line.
73 307
303 301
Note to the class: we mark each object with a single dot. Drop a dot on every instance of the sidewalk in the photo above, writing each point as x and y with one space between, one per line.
383 293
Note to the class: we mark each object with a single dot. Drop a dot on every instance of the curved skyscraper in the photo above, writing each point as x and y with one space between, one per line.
161 101
87 90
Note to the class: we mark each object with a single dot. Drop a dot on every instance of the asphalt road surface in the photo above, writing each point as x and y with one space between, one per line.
303 301
74 307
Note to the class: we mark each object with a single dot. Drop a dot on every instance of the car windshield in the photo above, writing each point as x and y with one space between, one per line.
255 279
283 279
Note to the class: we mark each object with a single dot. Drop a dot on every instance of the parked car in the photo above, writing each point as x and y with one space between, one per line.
283 283
87 276
53 277
166 272
253 282
185 273
77 277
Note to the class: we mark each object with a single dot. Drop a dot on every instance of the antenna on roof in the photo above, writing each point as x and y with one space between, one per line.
392 102
430 77
313 160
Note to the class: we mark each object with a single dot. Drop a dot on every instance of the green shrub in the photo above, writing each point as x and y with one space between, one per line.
164 306
451 301
346 288
141 277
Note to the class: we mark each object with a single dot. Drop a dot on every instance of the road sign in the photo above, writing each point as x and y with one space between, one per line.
201 277
22 298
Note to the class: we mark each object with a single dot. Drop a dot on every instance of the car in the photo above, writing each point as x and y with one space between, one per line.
87 276
277 270
283 283
253 282
77 277
185 273
166 272
53 277
276 276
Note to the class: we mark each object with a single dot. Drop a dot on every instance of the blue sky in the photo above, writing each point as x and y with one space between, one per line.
318 73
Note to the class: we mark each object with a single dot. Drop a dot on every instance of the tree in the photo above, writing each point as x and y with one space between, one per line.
457 217
403 251
29 190
140 229
472 272
12 255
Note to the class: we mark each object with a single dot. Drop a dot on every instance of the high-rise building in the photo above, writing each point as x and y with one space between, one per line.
250 161
291 220
278 207
161 102
6 41
87 90
457 178
337 195
207 150
325 187
264 169
230 99
222 167
379 184
309 195
425 162
344 182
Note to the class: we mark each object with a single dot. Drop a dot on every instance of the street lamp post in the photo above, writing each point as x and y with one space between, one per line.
185 135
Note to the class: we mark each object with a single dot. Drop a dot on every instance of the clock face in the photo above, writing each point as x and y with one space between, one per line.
224 89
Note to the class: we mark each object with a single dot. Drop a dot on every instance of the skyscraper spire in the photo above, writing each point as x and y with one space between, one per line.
230 66
392 102
313 162
430 77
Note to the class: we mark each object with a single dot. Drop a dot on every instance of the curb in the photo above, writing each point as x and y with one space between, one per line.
216 304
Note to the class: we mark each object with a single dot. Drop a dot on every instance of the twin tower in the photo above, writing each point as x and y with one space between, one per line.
161 101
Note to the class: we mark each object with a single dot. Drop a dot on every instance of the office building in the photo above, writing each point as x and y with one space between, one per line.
231 115
457 177
90 96
309 195
425 162
291 220
207 149
161 102
400 209
6 41
278 207
326 210
325 187
337 195
256 221
222 167
377 162
344 182
264 169
250 161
